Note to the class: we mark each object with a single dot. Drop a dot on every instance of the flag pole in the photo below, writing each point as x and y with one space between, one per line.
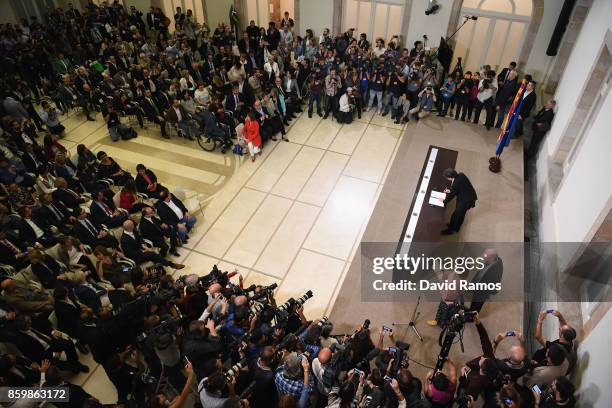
507 128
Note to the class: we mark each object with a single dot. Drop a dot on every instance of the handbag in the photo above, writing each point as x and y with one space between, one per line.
237 150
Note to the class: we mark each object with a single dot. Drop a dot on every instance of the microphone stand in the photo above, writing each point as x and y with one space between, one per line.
412 322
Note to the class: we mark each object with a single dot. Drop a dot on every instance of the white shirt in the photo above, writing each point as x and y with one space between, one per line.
175 208
37 231
344 103
202 97
271 67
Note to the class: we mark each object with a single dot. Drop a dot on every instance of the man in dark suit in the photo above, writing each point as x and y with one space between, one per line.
491 273
461 187
173 212
505 73
178 116
246 45
32 232
132 245
39 346
54 213
32 159
103 213
527 104
86 232
504 97
78 396
68 314
153 112
67 196
541 124
153 229
235 103
151 18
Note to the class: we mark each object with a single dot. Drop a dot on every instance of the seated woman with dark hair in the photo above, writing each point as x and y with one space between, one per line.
146 182
109 169
128 199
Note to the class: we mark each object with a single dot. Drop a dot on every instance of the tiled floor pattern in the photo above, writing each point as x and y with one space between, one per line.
294 217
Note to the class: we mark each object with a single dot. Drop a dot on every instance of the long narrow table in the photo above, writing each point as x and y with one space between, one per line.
424 221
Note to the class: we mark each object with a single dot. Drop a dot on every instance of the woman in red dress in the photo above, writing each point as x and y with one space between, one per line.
250 132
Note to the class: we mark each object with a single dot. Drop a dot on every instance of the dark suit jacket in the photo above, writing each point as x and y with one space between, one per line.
30 347
506 93
491 273
152 230
119 297
149 108
141 183
68 317
527 105
172 117
230 102
242 46
166 214
464 191
132 248
68 199
30 164
97 215
47 273
544 117
45 217
502 75
26 232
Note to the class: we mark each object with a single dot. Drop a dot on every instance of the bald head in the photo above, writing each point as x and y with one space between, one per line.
241 300
490 255
128 225
214 288
517 354
325 355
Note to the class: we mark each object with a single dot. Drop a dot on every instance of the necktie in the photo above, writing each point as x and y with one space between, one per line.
90 227
236 101
75 195
104 208
153 105
10 246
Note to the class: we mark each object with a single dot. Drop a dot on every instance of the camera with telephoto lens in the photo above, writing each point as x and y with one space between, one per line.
264 291
162 335
286 307
215 275
235 369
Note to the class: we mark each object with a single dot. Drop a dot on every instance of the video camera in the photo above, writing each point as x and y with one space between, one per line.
162 335
453 328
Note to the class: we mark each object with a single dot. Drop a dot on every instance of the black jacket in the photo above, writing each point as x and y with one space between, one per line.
464 191
26 232
68 317
47 218
141 183
545 117
152 230
527 105
166 214
132 247
69 200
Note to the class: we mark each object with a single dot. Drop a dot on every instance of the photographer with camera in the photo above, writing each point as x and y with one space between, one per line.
293 380
201 345
161 401
333 83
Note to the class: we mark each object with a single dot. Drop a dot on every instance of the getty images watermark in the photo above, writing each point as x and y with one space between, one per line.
495 271
406 264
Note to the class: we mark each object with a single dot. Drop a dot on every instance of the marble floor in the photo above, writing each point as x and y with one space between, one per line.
294 217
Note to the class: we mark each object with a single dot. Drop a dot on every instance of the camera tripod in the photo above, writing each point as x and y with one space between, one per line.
412 322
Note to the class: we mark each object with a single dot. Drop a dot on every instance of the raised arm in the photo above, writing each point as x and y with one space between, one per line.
538 329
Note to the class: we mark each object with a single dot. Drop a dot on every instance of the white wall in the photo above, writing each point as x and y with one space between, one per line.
538 62
217 10
316 15
586 189
434 25
593 369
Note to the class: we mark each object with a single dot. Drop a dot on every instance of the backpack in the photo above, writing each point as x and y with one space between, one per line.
127 133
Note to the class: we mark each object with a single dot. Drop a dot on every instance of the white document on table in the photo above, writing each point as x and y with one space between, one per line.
437 198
